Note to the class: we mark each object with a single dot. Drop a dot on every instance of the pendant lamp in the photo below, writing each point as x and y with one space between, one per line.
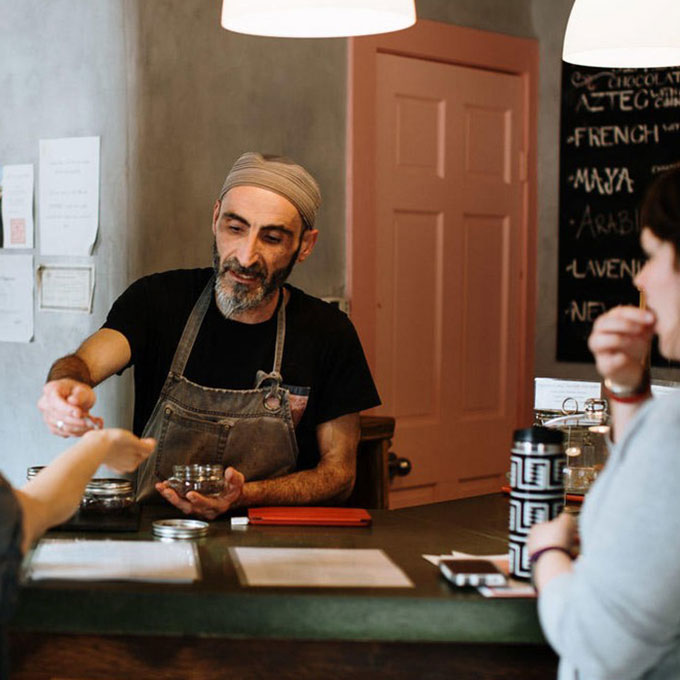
317 18
623 33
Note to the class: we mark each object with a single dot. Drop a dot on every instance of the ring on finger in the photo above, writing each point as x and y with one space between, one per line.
60 424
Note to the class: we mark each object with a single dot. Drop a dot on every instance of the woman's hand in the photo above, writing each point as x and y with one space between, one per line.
560 531
620 342
123 451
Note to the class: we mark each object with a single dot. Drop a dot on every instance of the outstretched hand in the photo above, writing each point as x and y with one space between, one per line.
123 451
204 506
65 405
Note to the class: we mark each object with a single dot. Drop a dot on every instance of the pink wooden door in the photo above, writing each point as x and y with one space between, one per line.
449 199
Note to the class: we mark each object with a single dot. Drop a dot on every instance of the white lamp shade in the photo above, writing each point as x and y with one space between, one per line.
623 33
317 18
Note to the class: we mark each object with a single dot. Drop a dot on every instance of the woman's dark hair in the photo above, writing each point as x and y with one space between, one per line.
660 209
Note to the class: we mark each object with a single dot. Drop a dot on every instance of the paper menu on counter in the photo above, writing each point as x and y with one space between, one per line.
16 298
16 185
318 567
108 560
69 195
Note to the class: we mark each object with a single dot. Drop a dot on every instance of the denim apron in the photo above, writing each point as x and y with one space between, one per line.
251 430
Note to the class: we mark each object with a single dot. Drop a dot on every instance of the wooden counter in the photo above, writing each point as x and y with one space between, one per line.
217 628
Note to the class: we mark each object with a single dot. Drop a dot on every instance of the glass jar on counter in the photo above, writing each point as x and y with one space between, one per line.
208 480
585 443
107 496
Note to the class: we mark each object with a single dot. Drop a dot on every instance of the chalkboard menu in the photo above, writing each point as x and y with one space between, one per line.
619 128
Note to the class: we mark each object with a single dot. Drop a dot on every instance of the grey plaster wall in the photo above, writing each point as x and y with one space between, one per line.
203 97
63 73
175 99
512 17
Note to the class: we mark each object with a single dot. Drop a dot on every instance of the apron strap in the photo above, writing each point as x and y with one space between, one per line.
280 334
186 343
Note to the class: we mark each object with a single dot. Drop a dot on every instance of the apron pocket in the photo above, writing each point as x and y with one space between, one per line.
262 447
188 439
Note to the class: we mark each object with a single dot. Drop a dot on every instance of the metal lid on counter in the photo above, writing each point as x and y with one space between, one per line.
179 528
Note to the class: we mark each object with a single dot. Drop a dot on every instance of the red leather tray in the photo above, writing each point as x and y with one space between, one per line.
311 516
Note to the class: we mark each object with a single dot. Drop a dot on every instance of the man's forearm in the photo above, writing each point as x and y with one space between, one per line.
70 366
320 485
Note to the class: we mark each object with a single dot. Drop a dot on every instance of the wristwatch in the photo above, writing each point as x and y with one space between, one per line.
628 394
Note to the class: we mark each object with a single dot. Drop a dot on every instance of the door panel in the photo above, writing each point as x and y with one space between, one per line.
449 220
416 314
484 328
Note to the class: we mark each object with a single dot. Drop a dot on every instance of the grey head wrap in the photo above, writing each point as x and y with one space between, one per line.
280 175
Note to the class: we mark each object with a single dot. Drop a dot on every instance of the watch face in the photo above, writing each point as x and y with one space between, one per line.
621 393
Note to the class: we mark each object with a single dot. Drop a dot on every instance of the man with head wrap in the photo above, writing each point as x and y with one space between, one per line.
232 366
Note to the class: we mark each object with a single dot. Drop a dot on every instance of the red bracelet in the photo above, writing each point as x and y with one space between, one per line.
533 558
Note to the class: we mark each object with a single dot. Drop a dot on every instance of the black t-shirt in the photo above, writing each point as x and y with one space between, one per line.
322 354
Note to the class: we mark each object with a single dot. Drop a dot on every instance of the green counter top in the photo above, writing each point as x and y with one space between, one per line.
218 606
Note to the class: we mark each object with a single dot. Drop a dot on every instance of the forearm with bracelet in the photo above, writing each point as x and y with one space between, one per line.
628 395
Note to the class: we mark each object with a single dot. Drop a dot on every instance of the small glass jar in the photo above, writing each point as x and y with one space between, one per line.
208 480
107 496
585 442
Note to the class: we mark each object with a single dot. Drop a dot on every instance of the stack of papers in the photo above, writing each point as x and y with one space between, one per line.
85 560
318 567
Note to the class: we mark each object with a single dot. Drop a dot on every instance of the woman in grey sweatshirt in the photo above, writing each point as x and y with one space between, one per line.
614 613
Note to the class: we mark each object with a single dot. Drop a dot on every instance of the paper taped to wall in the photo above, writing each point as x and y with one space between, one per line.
69 195
17 205
16 298
66 288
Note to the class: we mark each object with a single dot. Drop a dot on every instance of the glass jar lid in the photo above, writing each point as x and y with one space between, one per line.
108 487
179 528
197 472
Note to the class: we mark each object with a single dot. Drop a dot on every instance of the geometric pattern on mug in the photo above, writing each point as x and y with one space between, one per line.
534 472
556 507
525 513
519 560
515 509
518 519
534 512
515 470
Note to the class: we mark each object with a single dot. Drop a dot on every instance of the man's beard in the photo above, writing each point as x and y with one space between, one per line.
233 297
